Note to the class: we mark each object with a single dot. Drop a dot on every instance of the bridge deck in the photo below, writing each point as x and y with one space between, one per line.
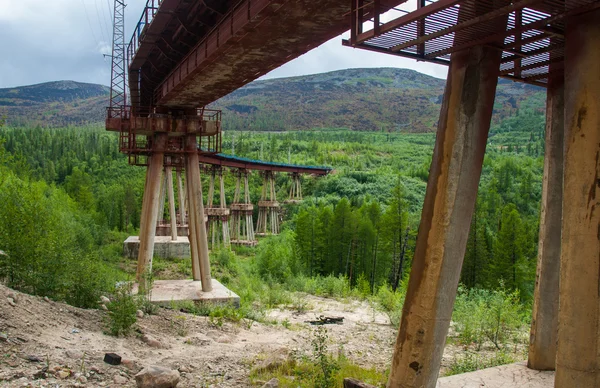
253 164
186 54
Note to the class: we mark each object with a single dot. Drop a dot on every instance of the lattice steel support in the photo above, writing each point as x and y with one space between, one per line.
268 207
242 224
295 189
118 97
218 217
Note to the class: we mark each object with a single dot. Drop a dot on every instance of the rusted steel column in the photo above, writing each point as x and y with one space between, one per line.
578 352
150 204
196 212
449 202
544 323
171 195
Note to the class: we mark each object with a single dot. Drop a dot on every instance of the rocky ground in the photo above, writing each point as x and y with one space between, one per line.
50 344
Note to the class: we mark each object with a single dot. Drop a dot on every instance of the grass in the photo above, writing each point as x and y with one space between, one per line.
320 369
472 361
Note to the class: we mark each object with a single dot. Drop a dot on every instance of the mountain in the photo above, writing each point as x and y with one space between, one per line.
360 99
54 104
371 99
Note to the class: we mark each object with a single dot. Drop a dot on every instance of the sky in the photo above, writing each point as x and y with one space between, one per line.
52 40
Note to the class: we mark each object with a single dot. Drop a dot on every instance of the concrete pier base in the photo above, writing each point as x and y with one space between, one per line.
504 376
164 247
166 291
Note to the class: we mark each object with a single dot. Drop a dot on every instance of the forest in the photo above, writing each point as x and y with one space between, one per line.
359 223
70 199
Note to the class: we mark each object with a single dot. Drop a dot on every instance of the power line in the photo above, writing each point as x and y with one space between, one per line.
90 23
102 23
112 20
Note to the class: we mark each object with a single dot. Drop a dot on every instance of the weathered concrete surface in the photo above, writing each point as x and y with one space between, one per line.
198 235
150 203
164 247
505 376
165 291
578 352
544 323
171 195
445 221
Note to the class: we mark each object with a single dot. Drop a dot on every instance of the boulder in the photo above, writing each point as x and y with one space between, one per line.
157 377
273 383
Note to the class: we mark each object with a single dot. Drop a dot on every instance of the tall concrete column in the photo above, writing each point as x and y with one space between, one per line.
150 205
196 212
181 200
449 203
192 223
544 323
171 195
578 352
163 197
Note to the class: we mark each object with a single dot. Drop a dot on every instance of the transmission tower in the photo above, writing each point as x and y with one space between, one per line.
118 75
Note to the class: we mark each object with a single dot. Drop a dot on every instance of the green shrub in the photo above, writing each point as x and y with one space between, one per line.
325 363
276 259
49 244
122 311
390 303
483 315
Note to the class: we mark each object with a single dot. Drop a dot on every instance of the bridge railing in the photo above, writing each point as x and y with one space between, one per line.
138 34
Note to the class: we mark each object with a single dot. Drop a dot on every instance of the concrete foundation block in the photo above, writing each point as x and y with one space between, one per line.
164 247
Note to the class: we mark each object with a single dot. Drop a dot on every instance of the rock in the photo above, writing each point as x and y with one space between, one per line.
139 314
129 364
104 307
120 380
14 297
11 302
47 299
112 359
74 354
184 369
104 300
157 377
82 379
151 341
32 358
63 374
41 374
274 361
273 383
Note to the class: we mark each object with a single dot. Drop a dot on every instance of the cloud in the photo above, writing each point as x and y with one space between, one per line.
54 40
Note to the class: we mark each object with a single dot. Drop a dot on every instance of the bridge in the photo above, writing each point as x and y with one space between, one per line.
185 54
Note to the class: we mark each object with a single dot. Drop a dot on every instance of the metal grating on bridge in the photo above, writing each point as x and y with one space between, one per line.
531 40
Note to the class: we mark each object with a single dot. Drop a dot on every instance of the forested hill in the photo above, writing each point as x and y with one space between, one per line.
54 104
387 99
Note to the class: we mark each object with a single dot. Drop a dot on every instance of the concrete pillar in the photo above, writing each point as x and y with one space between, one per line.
578 352
544 323
196 212
163 197
181 199
150 205
449 203
171 195
192 235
